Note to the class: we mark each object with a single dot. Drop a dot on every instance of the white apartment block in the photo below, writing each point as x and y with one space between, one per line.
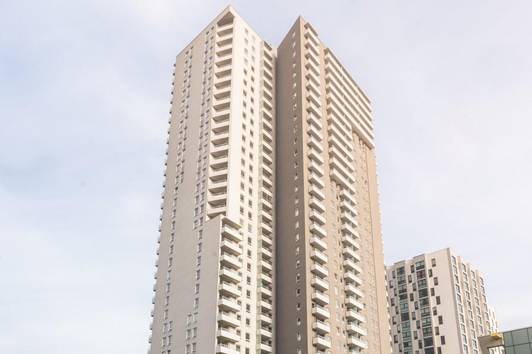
214 279
438 305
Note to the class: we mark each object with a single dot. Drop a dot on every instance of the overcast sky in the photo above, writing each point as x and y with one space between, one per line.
84 99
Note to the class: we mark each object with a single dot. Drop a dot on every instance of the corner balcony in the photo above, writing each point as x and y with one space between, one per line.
265 319
351 303
265 348
266 292
357 330
319 284
231 247
225 349
225 335
350 242
319 244
228 289
318 256
321 327
228 319
230 261
320 271
316 204
315 156
351 289
320 298
316 229
229 304
321 312
357 343
349 265
349 229
355 316
317 217
314 167
231 234
322 343
230 275
350 277
317 182
266 333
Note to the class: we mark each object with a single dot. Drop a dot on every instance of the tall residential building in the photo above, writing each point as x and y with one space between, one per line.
331 288
214 280
270 237
438 305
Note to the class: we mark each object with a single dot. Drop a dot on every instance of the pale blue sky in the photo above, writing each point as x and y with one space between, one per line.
84 100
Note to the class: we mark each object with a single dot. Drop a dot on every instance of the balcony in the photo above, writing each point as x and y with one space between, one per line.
316 229
321 312
219 150
318 256
357 330
321 327
266 292
225 349
266 279
316 181
315 156
265 319
317 204
314 167
319 284
228 289
319 244
225 335
230 261
266 306
319 270
315 144
266 333
231 233
350 242
357 343
265 348
228 319
231 247
351 289
229 304
219 163
320 298
349 265
322 343
350 253
317 217
230 275
349 218
213 212
351 302
353 315
348 229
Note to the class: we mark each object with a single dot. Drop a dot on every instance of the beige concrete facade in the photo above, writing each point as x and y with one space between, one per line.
270 233
438 305
331 289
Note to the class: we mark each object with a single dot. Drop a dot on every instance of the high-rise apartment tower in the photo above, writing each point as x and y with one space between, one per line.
438 305
214 280
270 239
331 289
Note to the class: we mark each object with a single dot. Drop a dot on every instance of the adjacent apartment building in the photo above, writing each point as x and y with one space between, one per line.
269 237
331 289
438 305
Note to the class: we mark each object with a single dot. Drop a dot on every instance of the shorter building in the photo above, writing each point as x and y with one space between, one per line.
518 341
438 305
